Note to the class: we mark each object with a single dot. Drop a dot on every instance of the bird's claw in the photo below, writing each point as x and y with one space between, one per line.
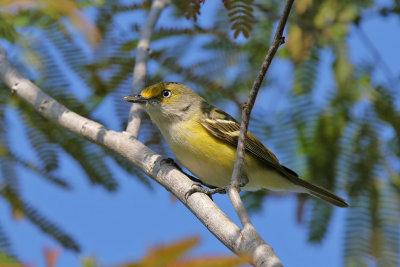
197 188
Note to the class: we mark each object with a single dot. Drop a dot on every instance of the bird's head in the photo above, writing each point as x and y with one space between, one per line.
167 101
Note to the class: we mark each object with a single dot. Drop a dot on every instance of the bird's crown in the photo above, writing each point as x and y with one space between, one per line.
165 90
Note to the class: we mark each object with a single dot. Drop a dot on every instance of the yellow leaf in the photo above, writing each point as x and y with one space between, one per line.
326 14
89 262
17 213
347 14
294 41
71 9
57 9
223 261
163 255
342 67
299 43
3 150
302 5
7 261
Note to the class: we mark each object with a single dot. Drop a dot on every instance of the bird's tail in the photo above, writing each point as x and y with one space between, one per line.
323 194
313 189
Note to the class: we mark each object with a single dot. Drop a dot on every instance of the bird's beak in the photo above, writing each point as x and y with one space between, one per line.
135 99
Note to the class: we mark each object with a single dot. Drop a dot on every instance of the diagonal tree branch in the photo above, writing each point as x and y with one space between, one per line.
233 190
140 69
126 145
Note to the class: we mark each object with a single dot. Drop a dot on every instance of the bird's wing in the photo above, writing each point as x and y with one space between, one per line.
226 128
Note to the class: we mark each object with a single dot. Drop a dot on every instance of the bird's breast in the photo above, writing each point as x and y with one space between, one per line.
208 158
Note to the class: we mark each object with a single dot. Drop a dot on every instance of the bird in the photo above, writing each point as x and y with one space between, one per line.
204 140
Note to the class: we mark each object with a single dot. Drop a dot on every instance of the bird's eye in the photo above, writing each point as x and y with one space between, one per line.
166 93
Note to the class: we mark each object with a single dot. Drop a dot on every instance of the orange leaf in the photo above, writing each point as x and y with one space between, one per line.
51 256
164 255
222 261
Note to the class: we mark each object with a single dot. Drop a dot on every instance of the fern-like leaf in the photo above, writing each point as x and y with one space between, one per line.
5 246
241 17
88 155
50 228
319 222
7 29
43 148
42 172
130 168
192 9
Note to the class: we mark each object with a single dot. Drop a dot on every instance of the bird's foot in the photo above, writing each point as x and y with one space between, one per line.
243 183
197 188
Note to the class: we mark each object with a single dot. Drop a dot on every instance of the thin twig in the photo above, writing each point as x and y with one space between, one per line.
140 69
233 190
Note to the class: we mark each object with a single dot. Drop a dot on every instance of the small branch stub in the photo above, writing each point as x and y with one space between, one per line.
14 88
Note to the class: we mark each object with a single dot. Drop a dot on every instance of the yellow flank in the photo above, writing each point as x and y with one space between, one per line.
200 157
212 160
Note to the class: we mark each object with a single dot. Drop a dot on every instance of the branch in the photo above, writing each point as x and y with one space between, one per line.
233 190
140 69
126 145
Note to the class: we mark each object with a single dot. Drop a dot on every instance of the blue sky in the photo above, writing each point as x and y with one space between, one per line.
119 227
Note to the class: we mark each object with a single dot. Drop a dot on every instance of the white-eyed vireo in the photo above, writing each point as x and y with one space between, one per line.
204 140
